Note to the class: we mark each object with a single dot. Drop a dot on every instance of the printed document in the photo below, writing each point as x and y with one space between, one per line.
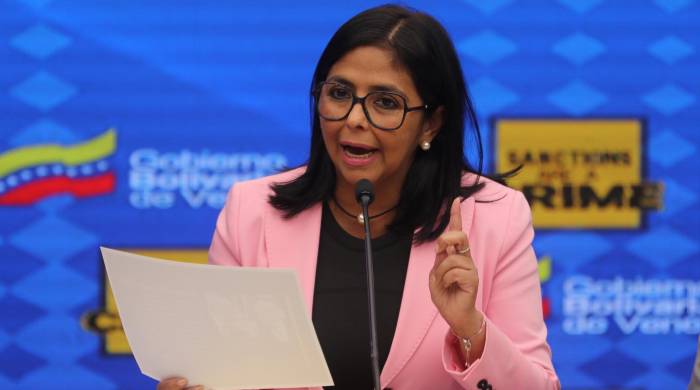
221 327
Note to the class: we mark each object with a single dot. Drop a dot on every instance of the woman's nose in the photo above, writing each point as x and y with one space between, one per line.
357 118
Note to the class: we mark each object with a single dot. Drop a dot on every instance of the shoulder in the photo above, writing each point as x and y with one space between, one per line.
493 193
498 209
250 197
262 185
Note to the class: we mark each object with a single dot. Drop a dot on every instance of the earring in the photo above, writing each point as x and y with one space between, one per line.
425 145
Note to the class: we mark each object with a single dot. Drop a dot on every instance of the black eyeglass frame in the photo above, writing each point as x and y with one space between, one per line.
356 99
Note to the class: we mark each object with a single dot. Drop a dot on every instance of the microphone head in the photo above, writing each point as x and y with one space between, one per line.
364 188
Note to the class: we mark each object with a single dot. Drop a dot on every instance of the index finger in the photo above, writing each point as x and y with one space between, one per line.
455 216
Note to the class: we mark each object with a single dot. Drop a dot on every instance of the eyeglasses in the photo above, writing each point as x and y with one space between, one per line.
384 110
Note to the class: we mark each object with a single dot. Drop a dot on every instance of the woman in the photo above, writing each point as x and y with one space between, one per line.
458 292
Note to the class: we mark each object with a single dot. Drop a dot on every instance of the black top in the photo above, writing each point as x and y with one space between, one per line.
340 312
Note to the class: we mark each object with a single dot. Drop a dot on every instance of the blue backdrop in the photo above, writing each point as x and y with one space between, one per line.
124 123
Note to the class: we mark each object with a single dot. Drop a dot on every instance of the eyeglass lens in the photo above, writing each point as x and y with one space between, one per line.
384 110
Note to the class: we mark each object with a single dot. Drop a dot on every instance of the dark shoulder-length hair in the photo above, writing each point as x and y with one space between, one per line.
426 51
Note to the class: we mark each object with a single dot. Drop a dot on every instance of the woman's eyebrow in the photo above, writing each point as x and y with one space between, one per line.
373 88
341 80
387 88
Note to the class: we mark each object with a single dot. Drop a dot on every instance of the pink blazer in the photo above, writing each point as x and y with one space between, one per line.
250 232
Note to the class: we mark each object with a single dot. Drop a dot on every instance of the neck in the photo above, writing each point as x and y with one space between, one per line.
383 200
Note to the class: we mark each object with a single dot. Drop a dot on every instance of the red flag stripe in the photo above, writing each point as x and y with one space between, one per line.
38 189
546 307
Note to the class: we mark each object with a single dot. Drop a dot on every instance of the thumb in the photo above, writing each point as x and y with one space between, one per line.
455 216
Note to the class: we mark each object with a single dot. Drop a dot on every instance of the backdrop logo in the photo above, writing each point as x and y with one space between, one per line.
646 306
585 173
106 322
160 179
31 173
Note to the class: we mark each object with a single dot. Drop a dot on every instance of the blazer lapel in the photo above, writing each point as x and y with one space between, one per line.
416 314
293 243
417 311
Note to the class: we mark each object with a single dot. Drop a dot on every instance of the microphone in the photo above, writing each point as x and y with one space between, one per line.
364 189
364 194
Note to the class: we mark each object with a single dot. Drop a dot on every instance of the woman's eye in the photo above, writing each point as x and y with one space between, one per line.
339 93
387 102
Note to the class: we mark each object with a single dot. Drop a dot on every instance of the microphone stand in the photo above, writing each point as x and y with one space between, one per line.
365 197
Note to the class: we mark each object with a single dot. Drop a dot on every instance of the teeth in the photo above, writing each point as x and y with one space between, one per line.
355 155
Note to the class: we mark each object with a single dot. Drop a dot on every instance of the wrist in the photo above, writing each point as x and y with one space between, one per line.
471 342
470 326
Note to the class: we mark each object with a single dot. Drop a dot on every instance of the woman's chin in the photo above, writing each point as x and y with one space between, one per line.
352 176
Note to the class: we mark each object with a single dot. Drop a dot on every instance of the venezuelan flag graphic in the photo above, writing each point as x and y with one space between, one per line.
544 266
31 173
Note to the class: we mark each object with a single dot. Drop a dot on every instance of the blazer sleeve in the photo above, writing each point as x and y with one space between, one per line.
225 249
516 353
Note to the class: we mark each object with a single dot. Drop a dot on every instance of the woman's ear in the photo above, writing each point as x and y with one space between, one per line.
433 124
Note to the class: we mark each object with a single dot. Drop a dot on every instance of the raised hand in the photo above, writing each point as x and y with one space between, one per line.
454 280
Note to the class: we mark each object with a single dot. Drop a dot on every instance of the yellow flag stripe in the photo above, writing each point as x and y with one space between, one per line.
544 266
99 147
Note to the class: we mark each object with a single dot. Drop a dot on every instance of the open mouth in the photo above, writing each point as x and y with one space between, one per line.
353 151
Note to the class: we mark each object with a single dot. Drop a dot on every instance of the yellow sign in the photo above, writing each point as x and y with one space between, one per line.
107 322
578 173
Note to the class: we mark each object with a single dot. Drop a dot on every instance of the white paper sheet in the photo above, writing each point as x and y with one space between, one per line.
221 327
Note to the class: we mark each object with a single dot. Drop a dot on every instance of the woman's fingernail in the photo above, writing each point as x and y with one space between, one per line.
181 382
